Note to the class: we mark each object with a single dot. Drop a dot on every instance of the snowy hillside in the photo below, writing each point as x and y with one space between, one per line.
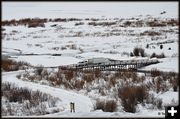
44 36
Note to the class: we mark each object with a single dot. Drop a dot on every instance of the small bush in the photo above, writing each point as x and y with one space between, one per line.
158 84
100 104
131 54
157 56
150 33
34 25
80 23
69 74
18 76
97 73
139 52
161 46
106 106
161 55
11 65
79 84
110 106
147 46
175 83
159 103
131 96
155 72
39 70
88 77
136 51
102 23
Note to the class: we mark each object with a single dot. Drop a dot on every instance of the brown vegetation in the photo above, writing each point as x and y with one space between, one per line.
150 33
131 96
102 23
162 55
11 65
106 106
29 102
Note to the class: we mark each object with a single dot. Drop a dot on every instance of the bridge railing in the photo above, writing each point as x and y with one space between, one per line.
120 64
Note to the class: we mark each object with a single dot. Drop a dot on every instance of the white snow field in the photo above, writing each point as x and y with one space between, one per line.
69 42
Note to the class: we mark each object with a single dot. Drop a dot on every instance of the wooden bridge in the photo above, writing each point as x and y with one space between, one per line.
131 66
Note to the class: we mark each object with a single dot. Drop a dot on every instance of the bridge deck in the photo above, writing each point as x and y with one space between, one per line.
110 67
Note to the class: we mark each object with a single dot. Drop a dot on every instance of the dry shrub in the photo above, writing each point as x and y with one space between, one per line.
155 72
100 104
125 74
63 48
156 23
79 23
97 73
36 24
127 23
15 94
44 72
28 102
112 81
11 65
94 19
59 20
66 84
158 103
153 55
106 106
58 81
102 23
102 91
32 78
162 55
53 78
8 65
133 23
73 19
39 70
88 77
172 22
18 76
69 74
65 19
150 33
118 74
110 106
131 96
175 82
128 75
79 84
138 52
158 84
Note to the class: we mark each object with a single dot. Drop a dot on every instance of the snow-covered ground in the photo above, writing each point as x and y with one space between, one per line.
67 43
48 61
166 64
84 105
